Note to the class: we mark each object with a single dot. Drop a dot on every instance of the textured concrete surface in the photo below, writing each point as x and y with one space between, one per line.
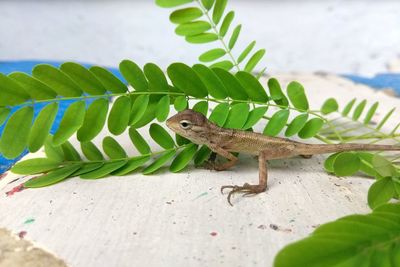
182 219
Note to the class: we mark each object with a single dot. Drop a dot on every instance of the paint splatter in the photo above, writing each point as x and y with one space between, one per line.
16 189
213 233
262 227
3 175
22 234
277 228
201 195
29 221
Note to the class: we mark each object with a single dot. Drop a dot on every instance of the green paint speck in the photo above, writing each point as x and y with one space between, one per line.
29 221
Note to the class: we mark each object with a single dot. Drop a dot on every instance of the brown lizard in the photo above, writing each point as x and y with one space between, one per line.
198 129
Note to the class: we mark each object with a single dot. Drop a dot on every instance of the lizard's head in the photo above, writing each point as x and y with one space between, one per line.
190 124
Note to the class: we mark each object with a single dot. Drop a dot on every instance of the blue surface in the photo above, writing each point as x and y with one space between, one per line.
26 66
380 81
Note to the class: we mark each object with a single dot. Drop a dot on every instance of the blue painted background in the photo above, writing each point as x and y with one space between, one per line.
379 81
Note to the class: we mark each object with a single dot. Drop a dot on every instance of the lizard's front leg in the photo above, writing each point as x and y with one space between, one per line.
232 160
249 189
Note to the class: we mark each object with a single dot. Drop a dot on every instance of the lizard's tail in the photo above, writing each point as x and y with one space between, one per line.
311 149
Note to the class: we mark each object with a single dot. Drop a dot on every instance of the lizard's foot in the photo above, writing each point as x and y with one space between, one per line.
246 190
215 166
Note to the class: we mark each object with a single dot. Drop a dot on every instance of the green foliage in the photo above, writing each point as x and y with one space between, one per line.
355 240
209 21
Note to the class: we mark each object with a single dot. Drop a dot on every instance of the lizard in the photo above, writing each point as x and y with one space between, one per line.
223 141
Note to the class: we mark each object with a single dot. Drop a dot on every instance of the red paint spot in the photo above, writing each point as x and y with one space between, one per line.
22 234
16 189
213 233
3 175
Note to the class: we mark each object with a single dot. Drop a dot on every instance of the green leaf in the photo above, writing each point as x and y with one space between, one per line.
41 127
138 108
184 15
52 177
70 123
158 163
157 80
237 116
296 125
212 55
276 93
276 123
180 103
211 81
220 114
253 61
384 120
87 167
180 141
192 28
91 151
234 88
246 52
352 241
171 3
311 128
134 75
183 158
253 87
254 116
138 141
83 78
383 166
161 136
70 153
113 149
131 165
162 109
118 119
104 170
297 95
186 79
109 81
380 192
57 80
94 120
329 106
346 164
35 88
36 165
16 133
234 36
11 93
208 4
53 152
371 113
201 38
359 109
224 64
226 23
202 155
348 107
4 113
219 8
328 164
201 107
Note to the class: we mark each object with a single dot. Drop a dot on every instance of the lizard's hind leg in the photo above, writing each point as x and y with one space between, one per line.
249 189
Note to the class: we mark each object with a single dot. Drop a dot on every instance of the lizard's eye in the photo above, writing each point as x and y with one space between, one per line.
185 124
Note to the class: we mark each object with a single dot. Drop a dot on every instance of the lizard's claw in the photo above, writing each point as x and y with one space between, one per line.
246 189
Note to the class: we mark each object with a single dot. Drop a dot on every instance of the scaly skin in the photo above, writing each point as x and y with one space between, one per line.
198 129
